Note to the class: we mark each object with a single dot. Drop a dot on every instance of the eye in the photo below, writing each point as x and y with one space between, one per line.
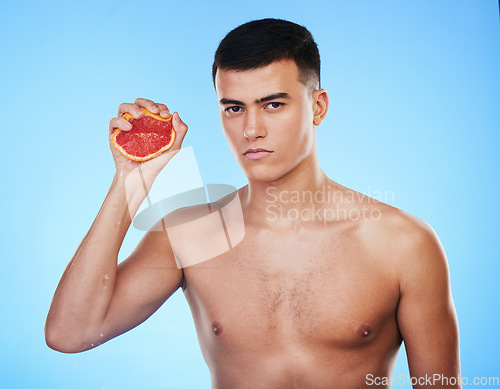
233 109
274 105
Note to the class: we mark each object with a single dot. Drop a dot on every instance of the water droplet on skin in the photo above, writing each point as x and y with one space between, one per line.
117 223
101 334
106 277
92 345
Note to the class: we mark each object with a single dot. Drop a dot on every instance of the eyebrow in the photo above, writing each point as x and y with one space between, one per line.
274 96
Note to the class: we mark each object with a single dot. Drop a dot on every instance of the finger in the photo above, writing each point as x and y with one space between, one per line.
132 109
119 123
164 112
151 106
180 128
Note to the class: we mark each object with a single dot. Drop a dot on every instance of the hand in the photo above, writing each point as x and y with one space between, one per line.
150 169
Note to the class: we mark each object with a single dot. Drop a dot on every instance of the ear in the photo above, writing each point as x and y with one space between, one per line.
320 106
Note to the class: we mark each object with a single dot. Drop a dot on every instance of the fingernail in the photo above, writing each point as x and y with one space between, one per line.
164 113
128 125
155 108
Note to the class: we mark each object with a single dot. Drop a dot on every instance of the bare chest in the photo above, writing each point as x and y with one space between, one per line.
300 288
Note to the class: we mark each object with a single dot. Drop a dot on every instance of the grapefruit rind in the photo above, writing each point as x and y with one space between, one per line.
127 117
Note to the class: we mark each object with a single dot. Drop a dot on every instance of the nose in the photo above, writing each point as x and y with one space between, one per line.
254 127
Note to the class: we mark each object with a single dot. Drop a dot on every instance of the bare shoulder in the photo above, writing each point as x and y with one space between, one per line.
195 213
201 232
407 241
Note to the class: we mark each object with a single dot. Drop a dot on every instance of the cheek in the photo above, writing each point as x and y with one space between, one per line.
300 139
296 132
229 129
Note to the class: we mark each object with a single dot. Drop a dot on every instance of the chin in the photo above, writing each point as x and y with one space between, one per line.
263 174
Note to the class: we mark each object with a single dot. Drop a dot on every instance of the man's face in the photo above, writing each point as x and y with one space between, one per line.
267 117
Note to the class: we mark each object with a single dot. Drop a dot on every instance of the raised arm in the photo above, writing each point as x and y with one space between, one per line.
426 314
96 299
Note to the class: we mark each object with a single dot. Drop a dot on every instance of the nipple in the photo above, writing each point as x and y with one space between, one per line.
216 328
364 330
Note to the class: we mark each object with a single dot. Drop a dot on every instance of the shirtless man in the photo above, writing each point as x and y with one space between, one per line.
307 302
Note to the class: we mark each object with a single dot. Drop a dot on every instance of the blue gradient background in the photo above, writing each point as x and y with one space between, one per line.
415 111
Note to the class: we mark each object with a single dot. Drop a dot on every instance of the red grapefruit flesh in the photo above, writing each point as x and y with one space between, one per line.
150 136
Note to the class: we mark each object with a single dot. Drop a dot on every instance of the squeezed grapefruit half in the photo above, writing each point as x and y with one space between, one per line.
150 136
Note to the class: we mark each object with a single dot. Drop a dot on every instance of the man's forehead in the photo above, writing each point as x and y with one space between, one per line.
256 83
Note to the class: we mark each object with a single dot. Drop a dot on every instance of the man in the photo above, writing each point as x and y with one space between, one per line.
313 296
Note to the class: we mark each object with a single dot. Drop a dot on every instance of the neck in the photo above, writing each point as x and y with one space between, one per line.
287 192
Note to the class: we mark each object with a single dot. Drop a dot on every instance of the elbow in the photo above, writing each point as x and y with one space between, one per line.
57 341
61 347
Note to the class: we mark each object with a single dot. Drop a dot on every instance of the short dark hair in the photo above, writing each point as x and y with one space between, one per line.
261 42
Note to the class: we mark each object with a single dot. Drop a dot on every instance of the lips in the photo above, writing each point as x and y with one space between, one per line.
256 153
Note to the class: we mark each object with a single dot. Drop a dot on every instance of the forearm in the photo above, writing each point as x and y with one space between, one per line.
84 293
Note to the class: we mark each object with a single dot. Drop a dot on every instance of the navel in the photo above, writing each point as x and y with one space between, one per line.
216 328
364 330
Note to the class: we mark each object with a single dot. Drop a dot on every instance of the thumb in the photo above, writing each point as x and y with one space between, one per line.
179 126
